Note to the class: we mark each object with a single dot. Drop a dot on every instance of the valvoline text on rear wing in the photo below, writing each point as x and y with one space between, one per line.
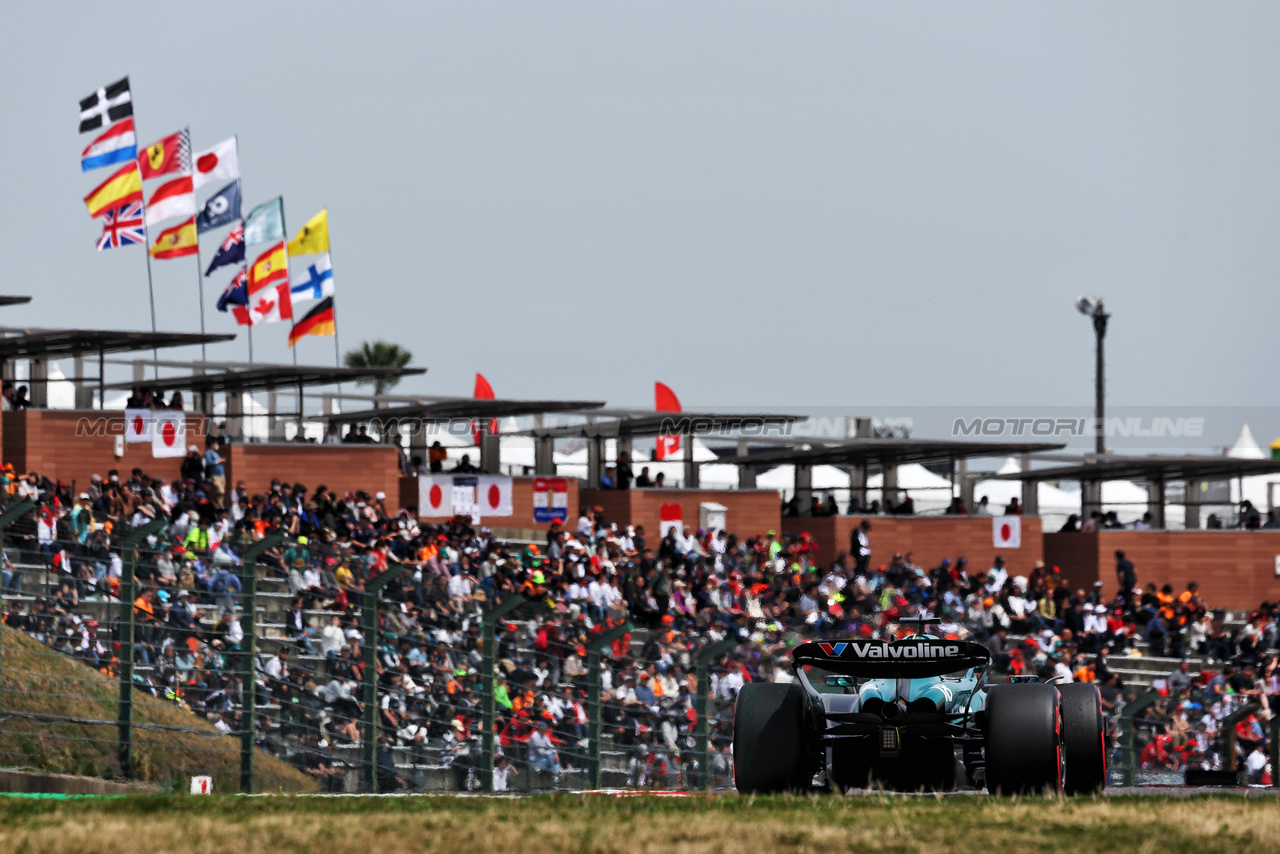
910 658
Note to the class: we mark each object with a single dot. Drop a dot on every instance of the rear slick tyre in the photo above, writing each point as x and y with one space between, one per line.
1084 737
1024 740
770 753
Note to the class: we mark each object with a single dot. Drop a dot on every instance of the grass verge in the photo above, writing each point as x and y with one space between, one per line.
593 823
35 679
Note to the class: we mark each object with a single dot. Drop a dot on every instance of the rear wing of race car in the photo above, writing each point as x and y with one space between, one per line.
910 658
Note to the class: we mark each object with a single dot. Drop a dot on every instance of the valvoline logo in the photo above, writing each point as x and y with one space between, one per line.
914 651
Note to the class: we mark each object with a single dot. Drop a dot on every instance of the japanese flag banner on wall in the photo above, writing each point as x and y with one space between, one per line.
670 516
168 434
435 495
1006 532
493 494
137 425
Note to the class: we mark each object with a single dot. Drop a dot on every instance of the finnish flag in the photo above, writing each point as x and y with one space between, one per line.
316 282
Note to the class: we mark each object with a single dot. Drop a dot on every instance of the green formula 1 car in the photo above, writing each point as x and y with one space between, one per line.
913 715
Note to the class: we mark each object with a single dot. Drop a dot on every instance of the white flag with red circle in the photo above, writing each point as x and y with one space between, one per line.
137 425
1006 532
435 495
493 496
670 516
168 434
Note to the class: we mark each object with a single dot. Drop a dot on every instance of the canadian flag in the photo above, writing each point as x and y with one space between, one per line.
435 495
269 305
137 425
1006 532
665 400
168 434
670 516
493 495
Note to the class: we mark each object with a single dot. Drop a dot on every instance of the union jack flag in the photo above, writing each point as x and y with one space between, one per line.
122 226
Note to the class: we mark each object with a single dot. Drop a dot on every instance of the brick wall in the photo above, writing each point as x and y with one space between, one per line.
342 468
1235 569
931 538
70 445
749 511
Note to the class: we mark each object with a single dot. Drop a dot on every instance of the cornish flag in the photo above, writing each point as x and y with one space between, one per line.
168 434
109 104
122 226
137 425
1006 532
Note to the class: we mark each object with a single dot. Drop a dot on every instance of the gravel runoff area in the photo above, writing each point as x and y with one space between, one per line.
1164 821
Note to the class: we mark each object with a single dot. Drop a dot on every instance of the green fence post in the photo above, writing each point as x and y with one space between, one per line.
369 742
487 713
249 654
703 662
1126 733
1275 751
595 709
1229 726
13 514
126 634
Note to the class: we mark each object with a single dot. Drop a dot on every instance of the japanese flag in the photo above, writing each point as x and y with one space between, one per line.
435 495
220 163
137 425
493 494
1006 532
168 434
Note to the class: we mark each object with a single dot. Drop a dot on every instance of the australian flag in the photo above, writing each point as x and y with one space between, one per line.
237 293
230 252
122 226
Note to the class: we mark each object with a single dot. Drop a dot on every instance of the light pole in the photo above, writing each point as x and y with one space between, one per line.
1092 307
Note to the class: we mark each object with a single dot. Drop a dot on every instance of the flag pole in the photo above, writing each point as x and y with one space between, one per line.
288 283
337 351
146 236
199 263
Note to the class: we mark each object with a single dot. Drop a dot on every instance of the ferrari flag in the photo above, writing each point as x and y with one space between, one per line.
171 155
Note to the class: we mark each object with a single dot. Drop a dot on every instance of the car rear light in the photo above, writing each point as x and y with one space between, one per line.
888 738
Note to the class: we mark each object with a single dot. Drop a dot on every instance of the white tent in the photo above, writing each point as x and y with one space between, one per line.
1256 489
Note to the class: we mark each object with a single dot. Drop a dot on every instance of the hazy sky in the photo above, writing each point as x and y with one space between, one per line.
761 204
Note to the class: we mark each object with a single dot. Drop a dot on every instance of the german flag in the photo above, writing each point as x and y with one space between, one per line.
318 321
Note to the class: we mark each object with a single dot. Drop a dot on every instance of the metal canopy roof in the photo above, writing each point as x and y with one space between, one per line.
1152 468
891 452
14 300
20 343
449 409
266 378
666 424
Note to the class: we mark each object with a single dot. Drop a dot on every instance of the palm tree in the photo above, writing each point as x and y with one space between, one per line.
378 354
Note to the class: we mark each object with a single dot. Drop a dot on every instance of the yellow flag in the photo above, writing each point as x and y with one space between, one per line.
314 237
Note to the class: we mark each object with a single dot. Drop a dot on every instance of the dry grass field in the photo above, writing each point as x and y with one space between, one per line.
640 825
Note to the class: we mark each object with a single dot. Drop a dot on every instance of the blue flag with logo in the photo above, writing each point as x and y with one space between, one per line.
222 209
265 223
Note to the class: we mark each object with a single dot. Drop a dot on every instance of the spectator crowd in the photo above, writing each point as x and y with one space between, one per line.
683 590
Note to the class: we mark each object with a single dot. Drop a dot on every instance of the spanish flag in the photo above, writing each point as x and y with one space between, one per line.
177 241
318 321
120 189
314 237
272 266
